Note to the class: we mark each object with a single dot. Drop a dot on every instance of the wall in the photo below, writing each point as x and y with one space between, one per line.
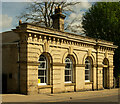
57 45
10 68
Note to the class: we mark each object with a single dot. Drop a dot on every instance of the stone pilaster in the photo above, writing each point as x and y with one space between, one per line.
100 77
94 77
32 67
110 77
32 79
80 77
99 69
28 65
58 78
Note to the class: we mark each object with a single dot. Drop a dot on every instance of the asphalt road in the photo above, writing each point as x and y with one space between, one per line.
113 98
107 96
95 100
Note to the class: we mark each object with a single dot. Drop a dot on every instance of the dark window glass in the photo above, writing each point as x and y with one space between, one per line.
41 79
42 58
42 65
67 65
86 71
86 67
66 72
67 60
40 72
66 78
86 61
86 78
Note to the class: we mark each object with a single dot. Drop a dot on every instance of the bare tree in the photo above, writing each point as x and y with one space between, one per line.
40 12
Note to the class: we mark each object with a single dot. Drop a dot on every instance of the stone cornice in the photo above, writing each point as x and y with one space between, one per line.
35 29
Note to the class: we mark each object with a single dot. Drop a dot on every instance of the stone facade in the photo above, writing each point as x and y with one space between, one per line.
56 45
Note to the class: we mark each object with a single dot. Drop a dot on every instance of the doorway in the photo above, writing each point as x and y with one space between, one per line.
105 73
105 77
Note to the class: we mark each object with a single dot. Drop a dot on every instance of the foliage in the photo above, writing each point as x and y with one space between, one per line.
102 21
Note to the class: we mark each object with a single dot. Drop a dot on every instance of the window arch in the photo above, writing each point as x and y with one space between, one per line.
105 62
88 69
42 70
68 70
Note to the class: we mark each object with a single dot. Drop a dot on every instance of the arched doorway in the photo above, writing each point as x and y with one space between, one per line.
105 73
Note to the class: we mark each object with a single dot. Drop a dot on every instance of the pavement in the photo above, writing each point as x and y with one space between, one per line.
61 97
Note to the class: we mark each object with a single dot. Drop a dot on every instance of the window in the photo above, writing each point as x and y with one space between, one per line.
42 70
87 70
68 70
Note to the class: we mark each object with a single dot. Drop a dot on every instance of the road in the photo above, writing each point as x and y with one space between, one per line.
88 97
113 98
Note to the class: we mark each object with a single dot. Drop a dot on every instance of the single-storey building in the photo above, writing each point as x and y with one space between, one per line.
44 60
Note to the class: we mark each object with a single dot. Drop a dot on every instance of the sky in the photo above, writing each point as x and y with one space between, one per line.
10 11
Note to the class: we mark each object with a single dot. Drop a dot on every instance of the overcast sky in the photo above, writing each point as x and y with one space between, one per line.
12 9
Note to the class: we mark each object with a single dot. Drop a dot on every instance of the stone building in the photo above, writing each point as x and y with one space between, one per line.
43 60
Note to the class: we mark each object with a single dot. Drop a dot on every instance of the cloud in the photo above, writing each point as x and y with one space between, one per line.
17 0
75 18
6 21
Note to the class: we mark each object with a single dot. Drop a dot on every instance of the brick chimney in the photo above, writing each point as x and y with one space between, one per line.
58 19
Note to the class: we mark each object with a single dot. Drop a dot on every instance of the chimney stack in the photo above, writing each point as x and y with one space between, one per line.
58 19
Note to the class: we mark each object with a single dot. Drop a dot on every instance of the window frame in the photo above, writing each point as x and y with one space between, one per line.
89 69
69 69
45 76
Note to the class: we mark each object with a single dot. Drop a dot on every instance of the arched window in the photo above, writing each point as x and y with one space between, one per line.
42 70
68 70
88 72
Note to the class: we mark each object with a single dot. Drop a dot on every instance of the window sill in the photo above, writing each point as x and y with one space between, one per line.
88 82
69 84
44 86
